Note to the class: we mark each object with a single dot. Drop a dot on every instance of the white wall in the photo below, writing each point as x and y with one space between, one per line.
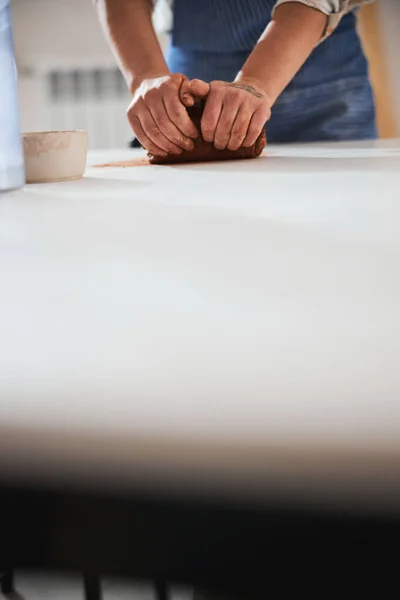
60 32
54 32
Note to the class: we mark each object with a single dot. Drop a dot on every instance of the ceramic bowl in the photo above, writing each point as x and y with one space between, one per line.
55 155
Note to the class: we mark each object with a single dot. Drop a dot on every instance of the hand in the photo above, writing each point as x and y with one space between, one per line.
158 116
234 113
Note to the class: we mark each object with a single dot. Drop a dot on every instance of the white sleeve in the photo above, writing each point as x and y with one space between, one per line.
334 9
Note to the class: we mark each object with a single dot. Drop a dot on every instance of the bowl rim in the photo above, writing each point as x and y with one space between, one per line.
30 133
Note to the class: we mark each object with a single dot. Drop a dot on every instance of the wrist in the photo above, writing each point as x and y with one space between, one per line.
258 84
135 81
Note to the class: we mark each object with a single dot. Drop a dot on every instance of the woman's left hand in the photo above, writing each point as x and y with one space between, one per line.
234 113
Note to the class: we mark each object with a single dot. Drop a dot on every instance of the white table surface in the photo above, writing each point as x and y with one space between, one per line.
235 323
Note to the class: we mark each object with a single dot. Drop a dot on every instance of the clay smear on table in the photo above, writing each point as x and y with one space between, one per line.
137 162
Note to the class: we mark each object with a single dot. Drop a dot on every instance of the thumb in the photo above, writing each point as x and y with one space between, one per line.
199 88
185 93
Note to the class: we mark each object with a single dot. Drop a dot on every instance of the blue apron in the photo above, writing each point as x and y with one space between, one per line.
329 99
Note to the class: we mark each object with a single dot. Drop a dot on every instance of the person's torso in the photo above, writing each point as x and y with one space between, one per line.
220 25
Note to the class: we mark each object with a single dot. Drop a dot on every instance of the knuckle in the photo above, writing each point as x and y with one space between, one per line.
238 132
176 78
219 94
249 100
180 139
207 129
233 93
225 123
169 84
240 129
208 123
266 114
133 109
151 94
172 149
138 133
134 123
154 150
254 131
223 130
223 136
210 120
163 123
246 116
214 110
174 105
174 139
153 132
248 141
175 113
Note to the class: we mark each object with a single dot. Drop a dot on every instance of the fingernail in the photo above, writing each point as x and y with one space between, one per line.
187 142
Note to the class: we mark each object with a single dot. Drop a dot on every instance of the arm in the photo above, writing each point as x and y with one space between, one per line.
333 9
297 26
287 42
295 29
129 29
157 112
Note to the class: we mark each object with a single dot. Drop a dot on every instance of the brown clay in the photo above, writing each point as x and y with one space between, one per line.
206 151
137 162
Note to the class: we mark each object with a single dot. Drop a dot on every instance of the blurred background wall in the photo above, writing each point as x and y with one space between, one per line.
379 25
68 78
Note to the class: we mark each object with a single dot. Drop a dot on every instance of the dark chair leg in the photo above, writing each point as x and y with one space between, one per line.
92 586
134 143
7 581
161 590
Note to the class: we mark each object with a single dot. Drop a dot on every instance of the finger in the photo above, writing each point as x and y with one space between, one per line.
156 136
185 94
225 124
255 127
239 129
144 139
211 114
168 128
199 88
178 115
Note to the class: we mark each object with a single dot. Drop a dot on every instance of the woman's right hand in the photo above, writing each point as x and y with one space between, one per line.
158 116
